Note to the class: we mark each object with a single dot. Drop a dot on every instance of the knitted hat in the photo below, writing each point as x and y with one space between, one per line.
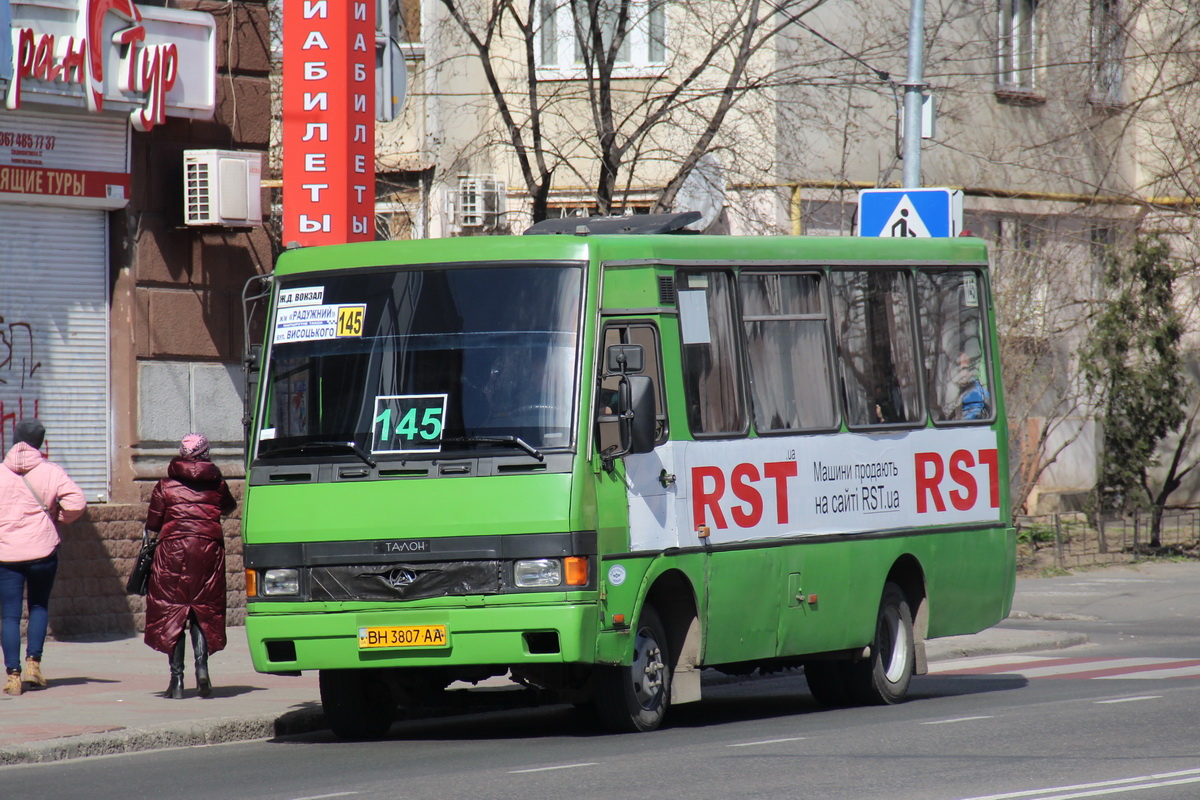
30 431
194 445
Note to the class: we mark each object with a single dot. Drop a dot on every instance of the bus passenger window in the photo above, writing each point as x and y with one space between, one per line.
607 433
712 379
957 371
877 356
787 345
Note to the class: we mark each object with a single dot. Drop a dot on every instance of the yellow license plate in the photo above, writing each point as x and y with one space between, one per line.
402 636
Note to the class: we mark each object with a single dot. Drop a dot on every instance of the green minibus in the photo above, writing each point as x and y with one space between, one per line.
599 458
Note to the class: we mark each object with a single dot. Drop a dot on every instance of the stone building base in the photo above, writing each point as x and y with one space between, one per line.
95 558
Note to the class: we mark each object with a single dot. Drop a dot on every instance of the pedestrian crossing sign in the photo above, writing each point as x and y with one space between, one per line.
904 213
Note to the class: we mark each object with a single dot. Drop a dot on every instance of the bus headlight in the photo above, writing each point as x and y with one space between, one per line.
531 572
279 582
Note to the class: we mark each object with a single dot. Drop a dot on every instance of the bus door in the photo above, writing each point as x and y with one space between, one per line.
741 586
638 493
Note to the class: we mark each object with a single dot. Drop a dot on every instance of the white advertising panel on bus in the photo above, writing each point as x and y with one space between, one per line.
845 483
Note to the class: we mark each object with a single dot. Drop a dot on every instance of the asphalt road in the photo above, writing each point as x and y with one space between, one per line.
1113 718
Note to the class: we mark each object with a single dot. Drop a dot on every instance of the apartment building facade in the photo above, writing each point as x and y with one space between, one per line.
1066 124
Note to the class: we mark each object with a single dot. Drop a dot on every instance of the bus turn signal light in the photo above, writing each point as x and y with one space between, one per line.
251 583
576 569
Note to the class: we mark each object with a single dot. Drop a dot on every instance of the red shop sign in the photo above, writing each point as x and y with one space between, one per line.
328 121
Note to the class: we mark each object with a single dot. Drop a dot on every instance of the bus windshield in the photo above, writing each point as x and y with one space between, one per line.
410 362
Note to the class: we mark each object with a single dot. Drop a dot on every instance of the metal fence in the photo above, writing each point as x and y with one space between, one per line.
1068 540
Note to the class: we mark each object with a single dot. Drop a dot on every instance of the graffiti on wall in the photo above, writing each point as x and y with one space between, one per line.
18 366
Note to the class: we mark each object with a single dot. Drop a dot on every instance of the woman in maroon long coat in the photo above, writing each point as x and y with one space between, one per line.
187 580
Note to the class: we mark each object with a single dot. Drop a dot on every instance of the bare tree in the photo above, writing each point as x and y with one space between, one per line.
1109 121
613 128
1043 311
1160 116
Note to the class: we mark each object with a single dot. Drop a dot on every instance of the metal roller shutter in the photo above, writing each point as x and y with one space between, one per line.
81 141
54 335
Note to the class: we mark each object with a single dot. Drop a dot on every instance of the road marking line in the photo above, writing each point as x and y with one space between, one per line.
1154 668
1091 667
1119 580
1067 594
1075 668
1102 787
1191 671
1119 789
956 719
988 663
549 769
768 741
326 796
1130 699
1041 666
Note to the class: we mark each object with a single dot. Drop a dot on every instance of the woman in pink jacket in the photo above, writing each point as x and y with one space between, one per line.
35 495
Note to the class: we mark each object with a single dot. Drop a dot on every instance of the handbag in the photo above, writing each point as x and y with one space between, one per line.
139 579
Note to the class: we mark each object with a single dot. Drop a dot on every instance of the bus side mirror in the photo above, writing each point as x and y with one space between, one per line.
624 359
635 413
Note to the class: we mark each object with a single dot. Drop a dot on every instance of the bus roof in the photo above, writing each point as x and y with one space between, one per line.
668 248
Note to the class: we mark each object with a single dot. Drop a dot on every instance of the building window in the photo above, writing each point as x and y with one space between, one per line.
1103 247
583 210
1021 277
1108 52
569 27
1018 46
480 204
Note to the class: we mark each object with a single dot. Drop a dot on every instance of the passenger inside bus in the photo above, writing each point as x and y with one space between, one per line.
884 410
972 396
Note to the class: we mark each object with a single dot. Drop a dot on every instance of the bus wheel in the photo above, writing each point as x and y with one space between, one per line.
883 678
827 682
634 698
356 702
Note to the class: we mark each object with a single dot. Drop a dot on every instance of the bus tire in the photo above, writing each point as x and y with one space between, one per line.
634 699
883 678
827 682
357 703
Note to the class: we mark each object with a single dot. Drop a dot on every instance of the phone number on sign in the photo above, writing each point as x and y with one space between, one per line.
34 141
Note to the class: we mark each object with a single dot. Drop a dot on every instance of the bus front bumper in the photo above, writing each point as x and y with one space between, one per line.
510 635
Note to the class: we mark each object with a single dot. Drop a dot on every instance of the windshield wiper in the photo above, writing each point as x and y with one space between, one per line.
517 440
351 446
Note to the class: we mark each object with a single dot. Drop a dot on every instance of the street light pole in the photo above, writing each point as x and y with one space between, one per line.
913 96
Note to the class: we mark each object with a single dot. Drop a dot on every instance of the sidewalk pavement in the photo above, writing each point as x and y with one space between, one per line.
104 697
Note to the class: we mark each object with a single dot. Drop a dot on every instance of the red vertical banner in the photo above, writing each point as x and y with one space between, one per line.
328 121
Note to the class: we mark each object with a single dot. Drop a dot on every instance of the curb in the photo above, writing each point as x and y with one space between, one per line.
999 642
187 734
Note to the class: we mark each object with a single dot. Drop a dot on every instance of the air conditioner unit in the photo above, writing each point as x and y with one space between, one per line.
480 202
222 187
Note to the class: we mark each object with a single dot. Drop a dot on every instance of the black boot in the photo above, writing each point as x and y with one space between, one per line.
175 689
200 646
